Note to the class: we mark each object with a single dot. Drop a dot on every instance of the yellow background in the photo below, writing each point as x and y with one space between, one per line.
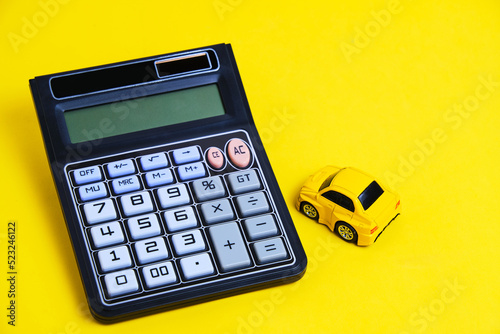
406 90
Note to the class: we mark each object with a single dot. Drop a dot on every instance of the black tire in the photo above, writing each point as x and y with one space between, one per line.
309 210
346 232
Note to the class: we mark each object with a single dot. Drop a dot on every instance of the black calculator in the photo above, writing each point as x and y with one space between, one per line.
166 189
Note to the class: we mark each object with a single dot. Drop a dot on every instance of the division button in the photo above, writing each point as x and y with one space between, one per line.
121 283
187 154
87 175
252 204
270 250
239 153
229 247
197 266
154 161
121 168
215 158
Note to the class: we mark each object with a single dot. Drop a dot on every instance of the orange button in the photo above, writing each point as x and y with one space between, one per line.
215 158
239 153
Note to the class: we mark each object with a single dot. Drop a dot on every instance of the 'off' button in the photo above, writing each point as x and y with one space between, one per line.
87 175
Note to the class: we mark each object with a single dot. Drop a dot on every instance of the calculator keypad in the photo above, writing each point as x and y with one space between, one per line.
175 216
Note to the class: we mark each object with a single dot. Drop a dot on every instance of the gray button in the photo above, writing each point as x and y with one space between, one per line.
217 211
260 227
252 204
229 247
243 182
271 250
209 188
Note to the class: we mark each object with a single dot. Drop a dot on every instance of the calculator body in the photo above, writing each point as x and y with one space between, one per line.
167 192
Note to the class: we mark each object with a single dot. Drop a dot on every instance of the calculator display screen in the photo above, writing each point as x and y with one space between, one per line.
143 113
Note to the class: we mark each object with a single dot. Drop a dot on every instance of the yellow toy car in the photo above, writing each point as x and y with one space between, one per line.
350 202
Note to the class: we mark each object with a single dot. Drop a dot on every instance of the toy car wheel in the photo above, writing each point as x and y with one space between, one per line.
346 232
309 210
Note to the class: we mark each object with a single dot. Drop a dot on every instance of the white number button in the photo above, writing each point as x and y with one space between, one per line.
99 211
159 274
121 283
180 219
114 258
151 250
173 196
144 226
107 234
137 203
188 242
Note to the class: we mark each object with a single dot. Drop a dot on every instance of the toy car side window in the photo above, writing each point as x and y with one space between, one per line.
339 199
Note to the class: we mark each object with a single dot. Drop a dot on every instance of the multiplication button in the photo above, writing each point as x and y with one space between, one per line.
217 211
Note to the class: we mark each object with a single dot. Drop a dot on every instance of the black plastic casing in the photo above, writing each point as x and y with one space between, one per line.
76 89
